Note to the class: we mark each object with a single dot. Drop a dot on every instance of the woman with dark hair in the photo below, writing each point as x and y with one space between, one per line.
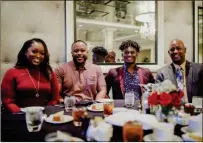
31 82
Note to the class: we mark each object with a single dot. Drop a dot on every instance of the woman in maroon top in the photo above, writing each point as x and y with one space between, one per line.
31 82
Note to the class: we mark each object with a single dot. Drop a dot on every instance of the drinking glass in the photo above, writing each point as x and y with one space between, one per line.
129 99
138 104
69 102
197 101
34 119
108 108
132 132
78 113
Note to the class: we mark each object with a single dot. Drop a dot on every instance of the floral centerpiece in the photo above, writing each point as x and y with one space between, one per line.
165 97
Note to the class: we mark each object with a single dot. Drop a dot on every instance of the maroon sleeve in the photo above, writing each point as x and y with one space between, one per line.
8 94
54 90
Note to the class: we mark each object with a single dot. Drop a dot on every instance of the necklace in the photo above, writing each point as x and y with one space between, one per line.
37 88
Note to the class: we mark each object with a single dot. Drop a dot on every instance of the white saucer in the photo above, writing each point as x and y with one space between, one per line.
32 107
186 130
90 109
66 118
150 138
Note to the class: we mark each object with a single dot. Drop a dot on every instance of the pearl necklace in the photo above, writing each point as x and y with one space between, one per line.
37 88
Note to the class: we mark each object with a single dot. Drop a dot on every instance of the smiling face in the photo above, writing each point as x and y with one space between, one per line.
177 51
35 53
130 54
79 53
111 57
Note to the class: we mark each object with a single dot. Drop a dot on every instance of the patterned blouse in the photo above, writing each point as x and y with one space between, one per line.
131 82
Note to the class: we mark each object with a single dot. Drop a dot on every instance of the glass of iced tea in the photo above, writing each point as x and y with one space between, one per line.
132 132
78 113
108 108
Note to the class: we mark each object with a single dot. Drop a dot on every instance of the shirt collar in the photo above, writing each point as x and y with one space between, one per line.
125 66
85 66
180 66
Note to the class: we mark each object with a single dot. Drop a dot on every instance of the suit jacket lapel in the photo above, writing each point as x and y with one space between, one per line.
140 75
188 77
121 79
171 72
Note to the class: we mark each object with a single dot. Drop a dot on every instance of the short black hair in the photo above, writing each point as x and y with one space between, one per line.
79 41
129 43
99 50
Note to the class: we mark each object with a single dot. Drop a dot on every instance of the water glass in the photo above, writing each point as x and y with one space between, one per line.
138 104
34 119
108 108
197 101
129 99
69 102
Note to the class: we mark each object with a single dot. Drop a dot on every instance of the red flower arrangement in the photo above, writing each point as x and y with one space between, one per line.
167 100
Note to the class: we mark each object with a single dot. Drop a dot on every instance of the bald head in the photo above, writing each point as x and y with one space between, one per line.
111 57
177 42
177 51
111 52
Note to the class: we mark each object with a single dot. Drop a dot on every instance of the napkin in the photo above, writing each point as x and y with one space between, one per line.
101 132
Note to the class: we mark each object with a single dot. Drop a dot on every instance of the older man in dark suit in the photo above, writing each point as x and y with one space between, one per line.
128 77
187 76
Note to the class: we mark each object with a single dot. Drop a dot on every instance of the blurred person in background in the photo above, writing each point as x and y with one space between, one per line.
99 54
111 57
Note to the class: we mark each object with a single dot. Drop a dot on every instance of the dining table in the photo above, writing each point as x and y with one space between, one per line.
14 129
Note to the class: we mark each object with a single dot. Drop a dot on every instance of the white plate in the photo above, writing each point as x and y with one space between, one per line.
90 109
32 107
75 139
186 130
119 119
187 138
52 137
105 100
122 109
150 138
66 118
181 120
119 109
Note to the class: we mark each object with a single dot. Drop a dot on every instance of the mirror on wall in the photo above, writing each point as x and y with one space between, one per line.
107 23
200 34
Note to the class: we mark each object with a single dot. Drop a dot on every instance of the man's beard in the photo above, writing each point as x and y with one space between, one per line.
77 63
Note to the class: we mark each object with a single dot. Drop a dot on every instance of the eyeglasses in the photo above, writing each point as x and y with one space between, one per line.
177 48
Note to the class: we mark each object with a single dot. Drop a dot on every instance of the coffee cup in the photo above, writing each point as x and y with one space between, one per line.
163 132
195 124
